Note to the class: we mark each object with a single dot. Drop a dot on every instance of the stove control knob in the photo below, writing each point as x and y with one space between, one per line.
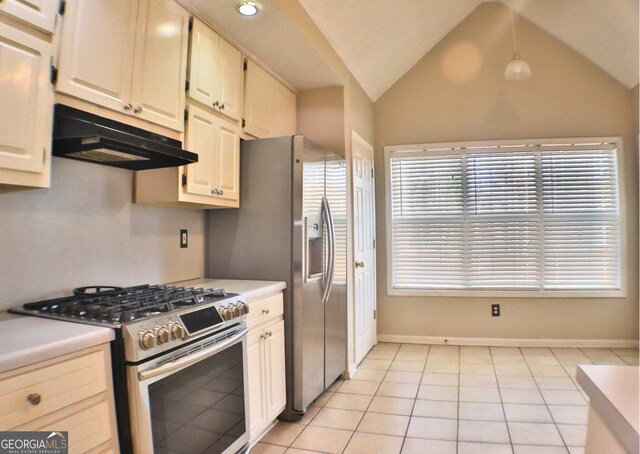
177 330
231 311
224 312
243 308
147 340
162 334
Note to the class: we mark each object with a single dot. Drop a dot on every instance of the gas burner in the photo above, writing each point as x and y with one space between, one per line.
115 305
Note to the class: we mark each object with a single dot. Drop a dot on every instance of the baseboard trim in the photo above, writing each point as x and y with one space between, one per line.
506 342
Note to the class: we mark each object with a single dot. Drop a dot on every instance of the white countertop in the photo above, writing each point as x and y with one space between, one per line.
26 340
614 393
251 290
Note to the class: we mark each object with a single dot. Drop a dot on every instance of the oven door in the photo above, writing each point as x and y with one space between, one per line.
193 400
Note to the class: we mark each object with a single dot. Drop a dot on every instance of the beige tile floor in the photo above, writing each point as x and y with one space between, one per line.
440 399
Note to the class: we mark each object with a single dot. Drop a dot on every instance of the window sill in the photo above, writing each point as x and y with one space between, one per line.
511 293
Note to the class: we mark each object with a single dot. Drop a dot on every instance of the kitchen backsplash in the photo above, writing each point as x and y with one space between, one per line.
85 230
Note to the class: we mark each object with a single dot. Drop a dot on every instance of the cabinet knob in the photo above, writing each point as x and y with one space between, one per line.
222 106
137 110
221 191
127 107
265 311
34 399
216 104
359 264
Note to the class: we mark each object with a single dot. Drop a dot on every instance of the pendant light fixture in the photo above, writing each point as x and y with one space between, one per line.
517 69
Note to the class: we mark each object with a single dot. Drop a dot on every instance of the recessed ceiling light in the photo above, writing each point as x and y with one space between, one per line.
248 8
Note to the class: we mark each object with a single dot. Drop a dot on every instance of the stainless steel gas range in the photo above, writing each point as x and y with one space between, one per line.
179 363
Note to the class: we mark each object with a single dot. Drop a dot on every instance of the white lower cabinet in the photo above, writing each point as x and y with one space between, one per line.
72 393
257 384
265 364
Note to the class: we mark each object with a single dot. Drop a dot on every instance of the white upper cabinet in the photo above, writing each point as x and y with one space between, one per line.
269 106
26 100
160 63
284 111
217 143
38 13
215 72
96 51
202 64
257 101
126 55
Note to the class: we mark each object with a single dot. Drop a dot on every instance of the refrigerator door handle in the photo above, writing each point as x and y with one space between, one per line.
331 234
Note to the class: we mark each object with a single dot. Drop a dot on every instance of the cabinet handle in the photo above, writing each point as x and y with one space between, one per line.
128 107
216 104
265 311
269 333
137 110
263 336
222 106
221 191
34 399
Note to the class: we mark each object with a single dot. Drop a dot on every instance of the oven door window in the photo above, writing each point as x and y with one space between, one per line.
201 408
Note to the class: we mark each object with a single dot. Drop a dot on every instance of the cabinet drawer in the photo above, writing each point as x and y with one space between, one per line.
264 310
57 384
89 424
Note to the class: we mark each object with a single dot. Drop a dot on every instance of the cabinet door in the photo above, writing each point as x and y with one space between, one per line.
230 80
256 378
257 101
96 51
202 64
276 381
26 100
201 139
283 111
227 159
160 66
39 13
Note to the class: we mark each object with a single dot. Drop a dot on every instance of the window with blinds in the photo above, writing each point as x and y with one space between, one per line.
533 217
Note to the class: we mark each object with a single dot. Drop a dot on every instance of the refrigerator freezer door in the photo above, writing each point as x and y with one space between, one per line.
307 307
336 303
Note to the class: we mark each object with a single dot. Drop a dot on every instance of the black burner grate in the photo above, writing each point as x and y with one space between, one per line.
128 304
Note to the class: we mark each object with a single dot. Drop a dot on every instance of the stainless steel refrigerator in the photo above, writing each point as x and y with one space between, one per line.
291 226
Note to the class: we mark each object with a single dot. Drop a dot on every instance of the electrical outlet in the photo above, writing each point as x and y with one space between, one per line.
184 239
495 310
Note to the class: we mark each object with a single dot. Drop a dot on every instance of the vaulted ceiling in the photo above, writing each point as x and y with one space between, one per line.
380 40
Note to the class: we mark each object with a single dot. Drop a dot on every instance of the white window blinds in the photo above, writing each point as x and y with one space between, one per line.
522 217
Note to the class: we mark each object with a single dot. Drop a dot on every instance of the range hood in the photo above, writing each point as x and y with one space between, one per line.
86 137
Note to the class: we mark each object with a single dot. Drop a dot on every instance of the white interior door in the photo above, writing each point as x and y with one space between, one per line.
364 246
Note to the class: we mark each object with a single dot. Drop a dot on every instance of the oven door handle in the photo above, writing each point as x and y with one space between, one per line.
191 359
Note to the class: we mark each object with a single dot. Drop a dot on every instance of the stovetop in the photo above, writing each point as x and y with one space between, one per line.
115 306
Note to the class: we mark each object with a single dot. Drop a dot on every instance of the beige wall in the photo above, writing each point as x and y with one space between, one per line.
457 93
321 117
85 231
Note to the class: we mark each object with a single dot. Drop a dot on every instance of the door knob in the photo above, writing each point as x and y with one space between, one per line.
359 264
